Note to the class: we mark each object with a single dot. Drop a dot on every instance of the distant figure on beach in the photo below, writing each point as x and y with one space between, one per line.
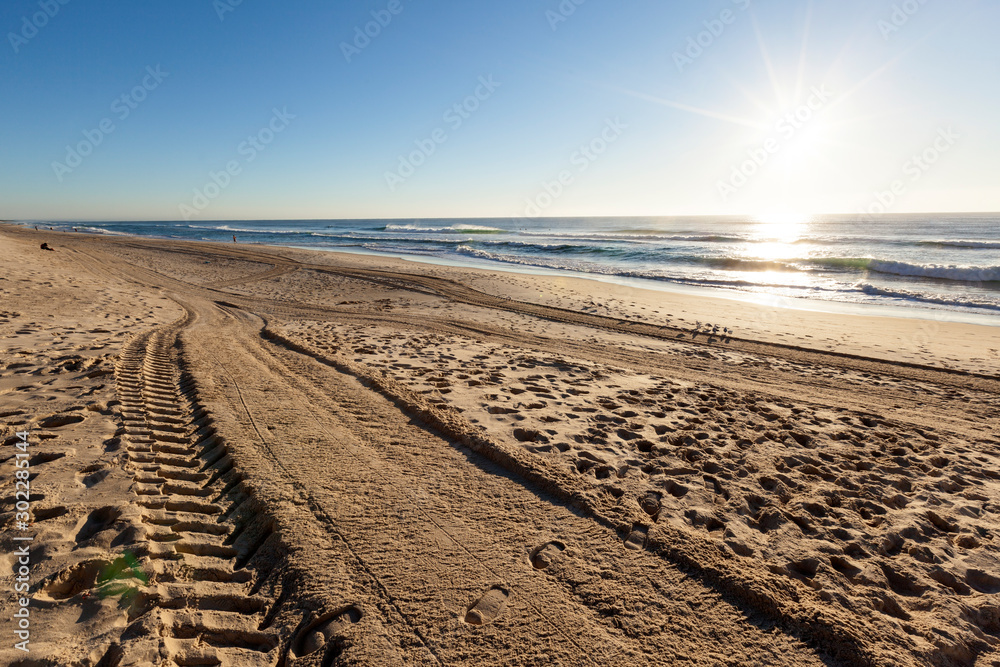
234 238
74 229
45 246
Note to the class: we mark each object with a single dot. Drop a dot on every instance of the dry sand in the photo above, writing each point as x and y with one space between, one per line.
255 456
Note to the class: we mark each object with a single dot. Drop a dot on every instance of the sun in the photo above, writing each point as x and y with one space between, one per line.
777 232
782 225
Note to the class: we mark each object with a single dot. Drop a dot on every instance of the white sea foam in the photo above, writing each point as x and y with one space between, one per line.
453 229
964 273
247 230
963 243
98 230
643 236
938 299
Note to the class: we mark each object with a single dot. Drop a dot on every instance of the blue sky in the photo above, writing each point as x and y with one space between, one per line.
642 107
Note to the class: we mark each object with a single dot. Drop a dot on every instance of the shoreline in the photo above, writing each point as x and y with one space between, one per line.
918 310
793 303
827 306
955 346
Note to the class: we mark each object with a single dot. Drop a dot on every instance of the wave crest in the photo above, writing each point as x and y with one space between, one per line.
965 302
453 229
970 274
962 243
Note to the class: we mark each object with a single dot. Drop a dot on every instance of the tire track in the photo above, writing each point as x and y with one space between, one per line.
386 487
321 514
326 519
701 559
275 271
200 530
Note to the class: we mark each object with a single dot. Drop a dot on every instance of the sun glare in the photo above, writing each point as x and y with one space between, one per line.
785 226
778 231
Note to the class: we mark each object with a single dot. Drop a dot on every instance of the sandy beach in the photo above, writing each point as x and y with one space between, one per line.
246 455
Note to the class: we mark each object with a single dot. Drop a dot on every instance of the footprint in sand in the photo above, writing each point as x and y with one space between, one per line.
93 474
60 420
48 513
99 520
636 539
543 556
72 581
488 607
949 580
326 628
675 489
45 457
650 504
529 435
983 582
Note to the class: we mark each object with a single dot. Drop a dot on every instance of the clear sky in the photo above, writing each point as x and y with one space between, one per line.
229 109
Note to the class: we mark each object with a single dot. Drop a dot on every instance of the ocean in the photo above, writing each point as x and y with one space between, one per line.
939 265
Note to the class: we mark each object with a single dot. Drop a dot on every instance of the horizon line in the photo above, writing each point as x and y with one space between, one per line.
504 217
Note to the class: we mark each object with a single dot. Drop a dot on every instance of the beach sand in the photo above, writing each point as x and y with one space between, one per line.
243 455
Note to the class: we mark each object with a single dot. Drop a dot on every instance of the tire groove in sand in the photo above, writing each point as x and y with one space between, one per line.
774 383
324 516
352 419
177 617
315 506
